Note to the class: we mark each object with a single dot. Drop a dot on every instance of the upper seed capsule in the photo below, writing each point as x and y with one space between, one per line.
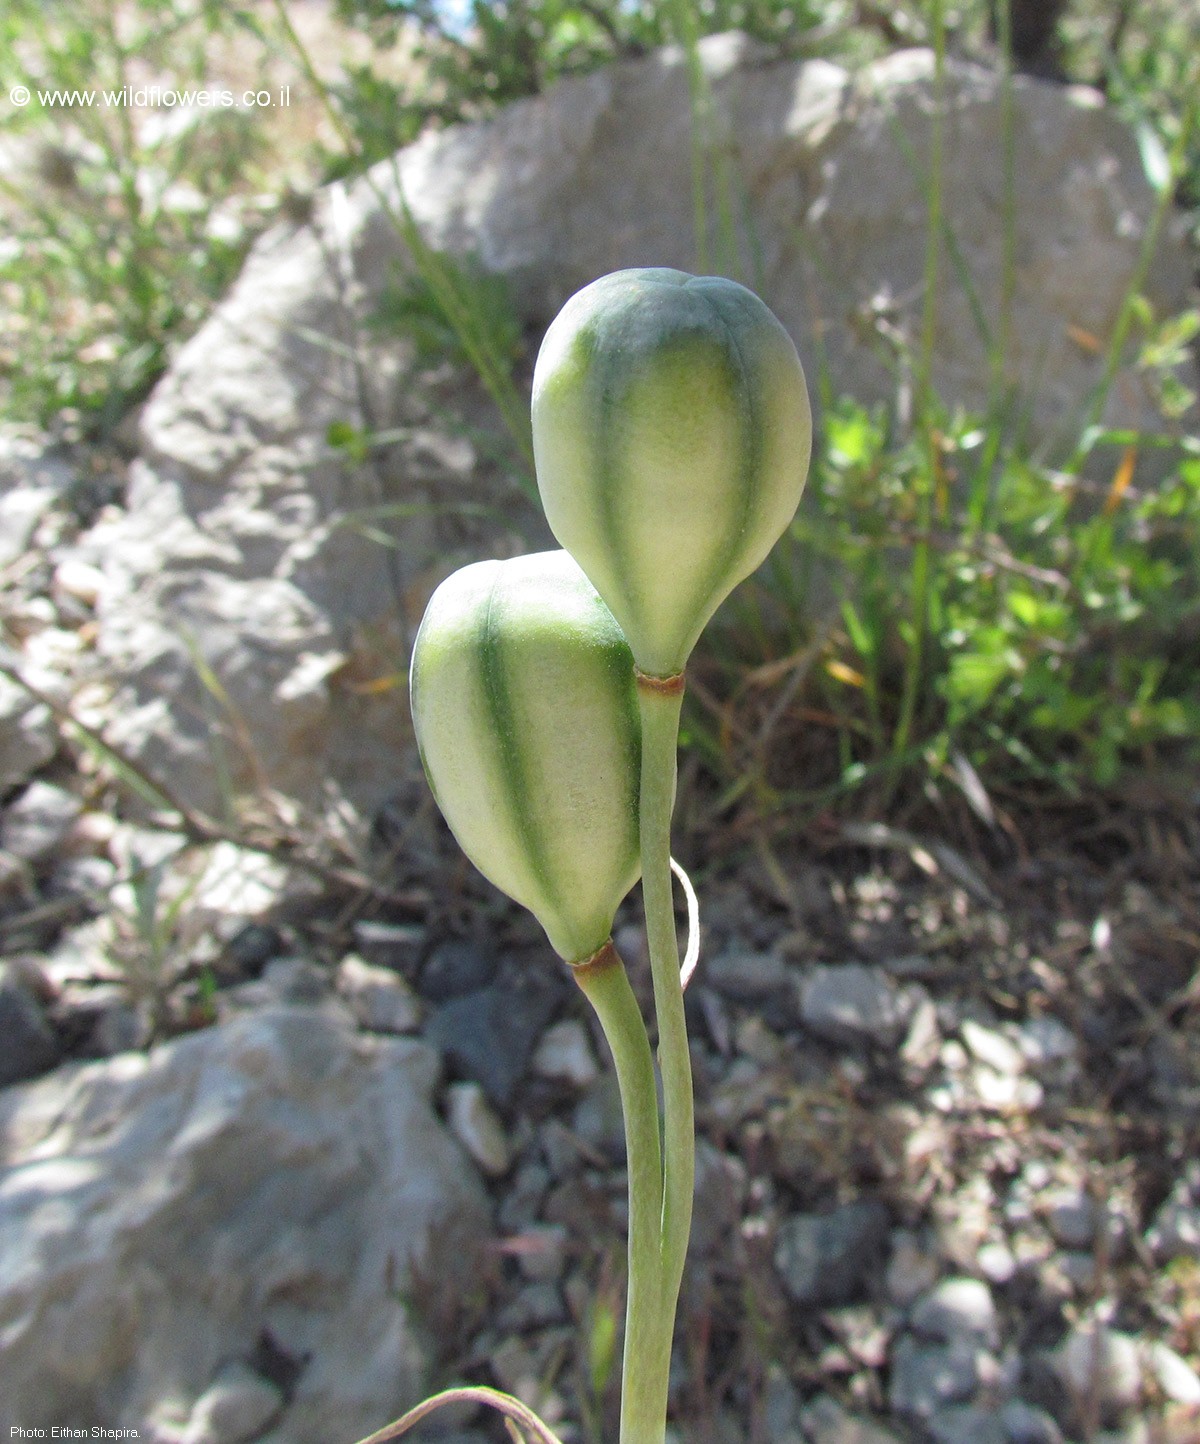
671 432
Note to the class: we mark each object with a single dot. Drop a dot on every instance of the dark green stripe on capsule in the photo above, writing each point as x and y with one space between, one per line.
512 766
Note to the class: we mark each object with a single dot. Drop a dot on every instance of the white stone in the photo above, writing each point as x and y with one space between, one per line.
477 1128
236 1407
79 579
1005 1093
280 1174
992 1048
1176 1378
996 1262
565 1055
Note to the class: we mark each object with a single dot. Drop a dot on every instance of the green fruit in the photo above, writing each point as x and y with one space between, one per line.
525 710
671 432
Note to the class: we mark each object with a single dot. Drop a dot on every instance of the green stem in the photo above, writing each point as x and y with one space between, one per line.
647 1353
922 569
659 703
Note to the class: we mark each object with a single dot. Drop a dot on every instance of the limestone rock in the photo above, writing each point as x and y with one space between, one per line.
277 1183
252 547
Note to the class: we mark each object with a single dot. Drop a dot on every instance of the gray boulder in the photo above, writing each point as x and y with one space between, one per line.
259 1203
251 547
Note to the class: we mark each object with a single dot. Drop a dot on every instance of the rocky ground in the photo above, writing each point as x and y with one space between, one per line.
948 1096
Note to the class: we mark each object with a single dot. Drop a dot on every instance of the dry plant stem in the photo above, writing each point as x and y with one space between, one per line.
659 703
512 1409
647 1352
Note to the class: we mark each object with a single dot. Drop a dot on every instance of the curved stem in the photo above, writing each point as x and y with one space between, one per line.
659 703
647 1357
511 1408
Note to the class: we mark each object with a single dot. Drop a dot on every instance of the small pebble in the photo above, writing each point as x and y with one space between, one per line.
1072 1217
28 735
1078 1268
853 1003
537 1306
565 1055
992 1048
966 1424
1005 1092
928 1377
1096 1361
120 1027
456 968
477 1128
598 1119
721 1185
924 1040
251 948
542 1255
381 1001
1027 1424
997 1263
1175 1232
1045 1042
911 1269
1176 1378
828 1258
523 1195
236 1407
825 1421
780 1408
35 825
489 1035
30 1045
295 980
390 945
956 1308
747 977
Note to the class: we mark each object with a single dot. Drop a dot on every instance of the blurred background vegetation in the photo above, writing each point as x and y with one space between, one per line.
1029 634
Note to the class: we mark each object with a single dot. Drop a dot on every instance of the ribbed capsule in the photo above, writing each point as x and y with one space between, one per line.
671 432
524 704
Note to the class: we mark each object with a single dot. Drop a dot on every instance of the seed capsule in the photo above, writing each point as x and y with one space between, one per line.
671 432
525 710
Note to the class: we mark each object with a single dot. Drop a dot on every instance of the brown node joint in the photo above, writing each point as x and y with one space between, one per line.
666 686
603 958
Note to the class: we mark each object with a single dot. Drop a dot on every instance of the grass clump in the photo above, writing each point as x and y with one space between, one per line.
124 221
